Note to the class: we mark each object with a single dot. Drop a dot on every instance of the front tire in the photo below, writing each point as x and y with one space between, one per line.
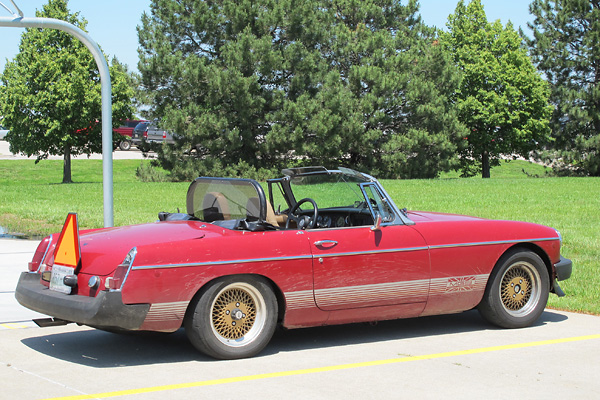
517 291
235 317
125 145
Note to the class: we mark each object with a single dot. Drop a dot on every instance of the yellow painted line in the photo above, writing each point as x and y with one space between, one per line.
223 381
13 326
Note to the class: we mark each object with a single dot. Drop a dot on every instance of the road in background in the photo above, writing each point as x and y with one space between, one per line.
133 154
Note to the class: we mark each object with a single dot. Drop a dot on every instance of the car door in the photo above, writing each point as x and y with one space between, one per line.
358 267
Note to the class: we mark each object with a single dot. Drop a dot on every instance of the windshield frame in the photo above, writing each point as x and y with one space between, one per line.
362 180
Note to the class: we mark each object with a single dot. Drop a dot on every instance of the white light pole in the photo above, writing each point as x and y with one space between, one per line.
19 21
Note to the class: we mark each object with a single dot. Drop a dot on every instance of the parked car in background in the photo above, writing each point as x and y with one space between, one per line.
313 247
126 131
3 132
147 134
138 133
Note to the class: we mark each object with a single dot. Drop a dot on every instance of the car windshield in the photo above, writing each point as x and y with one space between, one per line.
329 190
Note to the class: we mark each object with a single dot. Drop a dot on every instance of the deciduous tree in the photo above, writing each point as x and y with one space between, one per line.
50 93
502 98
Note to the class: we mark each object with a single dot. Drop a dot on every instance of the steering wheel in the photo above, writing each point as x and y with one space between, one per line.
303 221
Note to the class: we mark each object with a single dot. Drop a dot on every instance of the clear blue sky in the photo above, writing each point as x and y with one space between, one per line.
113 23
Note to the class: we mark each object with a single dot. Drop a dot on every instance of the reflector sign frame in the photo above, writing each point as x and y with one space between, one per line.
68 251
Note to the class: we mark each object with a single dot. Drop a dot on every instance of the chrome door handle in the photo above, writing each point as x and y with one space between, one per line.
329 243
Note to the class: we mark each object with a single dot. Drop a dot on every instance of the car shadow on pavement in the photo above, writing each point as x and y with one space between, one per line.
342 335
101 349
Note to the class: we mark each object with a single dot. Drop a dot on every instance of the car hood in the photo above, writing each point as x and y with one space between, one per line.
439 229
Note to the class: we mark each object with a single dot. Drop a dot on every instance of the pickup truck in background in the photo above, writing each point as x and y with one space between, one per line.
147 135
126 132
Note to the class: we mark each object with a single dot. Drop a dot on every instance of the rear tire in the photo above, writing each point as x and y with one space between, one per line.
234 317
517 290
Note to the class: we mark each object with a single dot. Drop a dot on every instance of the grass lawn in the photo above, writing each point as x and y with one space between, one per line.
33 202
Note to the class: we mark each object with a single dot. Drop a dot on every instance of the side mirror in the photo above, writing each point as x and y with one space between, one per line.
377 225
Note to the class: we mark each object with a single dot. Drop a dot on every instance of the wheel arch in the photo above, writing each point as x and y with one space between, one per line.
525 246
274 287
534 249
531 264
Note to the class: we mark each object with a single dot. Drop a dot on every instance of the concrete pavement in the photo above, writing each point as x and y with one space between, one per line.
453 356
14 256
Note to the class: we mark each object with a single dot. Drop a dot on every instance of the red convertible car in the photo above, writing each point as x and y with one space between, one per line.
319 247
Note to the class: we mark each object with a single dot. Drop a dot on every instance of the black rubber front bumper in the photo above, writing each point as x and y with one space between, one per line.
563 269
105 310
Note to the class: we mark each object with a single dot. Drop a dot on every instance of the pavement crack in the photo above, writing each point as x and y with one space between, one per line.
52 381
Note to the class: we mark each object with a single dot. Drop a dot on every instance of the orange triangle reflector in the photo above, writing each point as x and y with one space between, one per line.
68 252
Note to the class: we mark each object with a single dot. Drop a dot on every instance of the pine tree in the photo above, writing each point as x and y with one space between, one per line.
251 86
502 98
564 47
50 94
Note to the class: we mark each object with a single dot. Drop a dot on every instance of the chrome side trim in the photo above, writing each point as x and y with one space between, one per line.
227 262
445 246
359 253
341 254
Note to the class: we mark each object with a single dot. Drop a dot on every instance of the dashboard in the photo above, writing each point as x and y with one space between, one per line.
339 218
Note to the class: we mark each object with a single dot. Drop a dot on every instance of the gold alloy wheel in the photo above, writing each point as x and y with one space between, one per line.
234 313
520 288
238 314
